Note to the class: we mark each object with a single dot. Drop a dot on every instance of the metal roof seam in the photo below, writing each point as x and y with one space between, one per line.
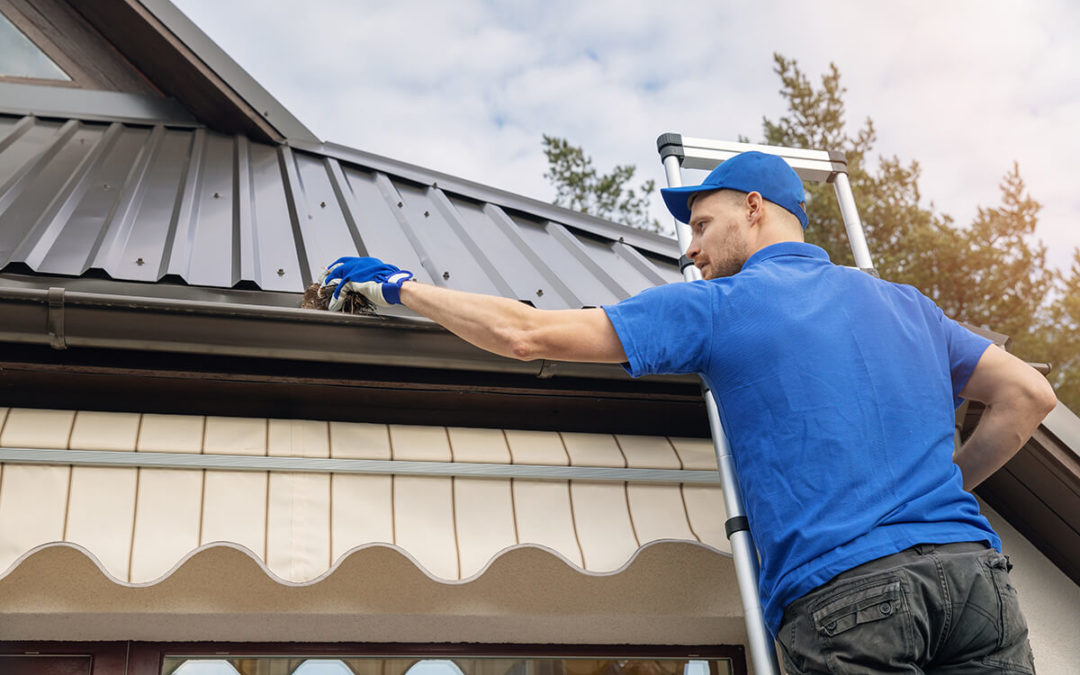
509 228
392 197
347 199
575 248
291 180
453 218
176 259
119 222
34 165
47 228
637 261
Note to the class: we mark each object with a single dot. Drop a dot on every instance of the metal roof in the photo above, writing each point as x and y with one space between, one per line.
187 208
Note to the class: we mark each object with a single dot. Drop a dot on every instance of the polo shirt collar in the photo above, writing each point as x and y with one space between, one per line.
787 248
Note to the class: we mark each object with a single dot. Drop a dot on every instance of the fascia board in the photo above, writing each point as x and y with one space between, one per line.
238 79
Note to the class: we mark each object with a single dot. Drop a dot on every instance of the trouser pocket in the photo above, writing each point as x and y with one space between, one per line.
866 620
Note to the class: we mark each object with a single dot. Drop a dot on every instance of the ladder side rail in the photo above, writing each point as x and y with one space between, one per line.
745 555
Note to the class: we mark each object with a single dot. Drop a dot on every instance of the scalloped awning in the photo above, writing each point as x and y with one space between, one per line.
100 552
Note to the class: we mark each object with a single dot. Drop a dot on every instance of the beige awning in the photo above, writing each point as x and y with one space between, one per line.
128 551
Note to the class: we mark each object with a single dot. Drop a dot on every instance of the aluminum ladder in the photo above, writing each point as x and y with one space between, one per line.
815 166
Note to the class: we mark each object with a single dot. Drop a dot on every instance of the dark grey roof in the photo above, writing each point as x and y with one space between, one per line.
184 208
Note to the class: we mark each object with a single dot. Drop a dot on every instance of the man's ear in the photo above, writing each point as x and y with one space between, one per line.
755 207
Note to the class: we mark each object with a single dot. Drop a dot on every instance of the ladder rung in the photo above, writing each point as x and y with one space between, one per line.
817 166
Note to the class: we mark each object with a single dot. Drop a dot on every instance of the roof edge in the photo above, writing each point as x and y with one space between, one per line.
647 241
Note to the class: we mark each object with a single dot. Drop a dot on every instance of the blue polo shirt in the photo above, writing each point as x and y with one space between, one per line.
837 392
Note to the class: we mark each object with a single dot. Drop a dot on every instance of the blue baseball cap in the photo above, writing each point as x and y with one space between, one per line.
768 175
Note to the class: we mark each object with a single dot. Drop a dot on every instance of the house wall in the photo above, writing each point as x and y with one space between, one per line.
1050 600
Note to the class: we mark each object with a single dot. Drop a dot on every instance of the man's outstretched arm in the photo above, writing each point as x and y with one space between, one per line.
1017 399
514 329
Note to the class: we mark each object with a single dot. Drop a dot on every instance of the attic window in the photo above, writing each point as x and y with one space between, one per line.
20 57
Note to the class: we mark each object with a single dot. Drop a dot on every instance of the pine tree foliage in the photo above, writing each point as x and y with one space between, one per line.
1063 337
579 186
992 273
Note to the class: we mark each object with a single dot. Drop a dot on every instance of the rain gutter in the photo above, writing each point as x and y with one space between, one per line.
67 319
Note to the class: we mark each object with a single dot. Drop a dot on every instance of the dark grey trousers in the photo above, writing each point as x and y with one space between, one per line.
940 609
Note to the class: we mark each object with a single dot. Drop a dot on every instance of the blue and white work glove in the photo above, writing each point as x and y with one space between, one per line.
377 281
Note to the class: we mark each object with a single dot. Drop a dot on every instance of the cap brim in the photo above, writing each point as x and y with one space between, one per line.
675 199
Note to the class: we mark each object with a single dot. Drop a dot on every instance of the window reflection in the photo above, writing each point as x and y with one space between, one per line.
323 667
22 58
207 667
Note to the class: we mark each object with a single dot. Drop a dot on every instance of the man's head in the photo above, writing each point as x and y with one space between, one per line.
750 201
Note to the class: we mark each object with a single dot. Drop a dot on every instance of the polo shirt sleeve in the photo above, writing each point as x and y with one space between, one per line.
667 329
965 349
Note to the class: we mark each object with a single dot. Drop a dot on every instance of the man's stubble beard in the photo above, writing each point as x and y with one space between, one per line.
735 252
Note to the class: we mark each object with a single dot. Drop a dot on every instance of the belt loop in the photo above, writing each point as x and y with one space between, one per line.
923 549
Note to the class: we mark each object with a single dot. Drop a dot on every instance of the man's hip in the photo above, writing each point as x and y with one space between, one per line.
934 605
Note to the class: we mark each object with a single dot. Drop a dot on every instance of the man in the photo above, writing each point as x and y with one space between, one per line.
836 390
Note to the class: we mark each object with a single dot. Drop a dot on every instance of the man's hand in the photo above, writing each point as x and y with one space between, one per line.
377 281
1017 399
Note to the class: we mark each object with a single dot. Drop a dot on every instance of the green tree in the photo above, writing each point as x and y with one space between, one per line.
992 273
579 186
1063 337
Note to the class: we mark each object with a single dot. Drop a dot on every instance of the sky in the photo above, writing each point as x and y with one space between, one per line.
468 87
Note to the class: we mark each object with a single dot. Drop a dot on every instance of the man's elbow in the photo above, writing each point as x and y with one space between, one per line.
522 345
1043 397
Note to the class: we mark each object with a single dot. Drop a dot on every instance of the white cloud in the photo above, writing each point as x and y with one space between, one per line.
468 87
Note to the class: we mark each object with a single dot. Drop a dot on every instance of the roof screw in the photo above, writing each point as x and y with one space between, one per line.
106 186
434 183
266 113
621 240
281 272
426 214
140 262
445 275
539 292
322 204
217 195
400 204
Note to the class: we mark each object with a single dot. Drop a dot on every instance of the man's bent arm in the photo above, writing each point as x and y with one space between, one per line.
1017 399
514 329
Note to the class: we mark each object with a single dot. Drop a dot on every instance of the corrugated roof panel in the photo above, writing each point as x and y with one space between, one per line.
501 258
213 252
378 221
591 290
435 225
142 231
79 226
46 167
191 206
274 266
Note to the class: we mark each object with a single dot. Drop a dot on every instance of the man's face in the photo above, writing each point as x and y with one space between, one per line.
718 246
